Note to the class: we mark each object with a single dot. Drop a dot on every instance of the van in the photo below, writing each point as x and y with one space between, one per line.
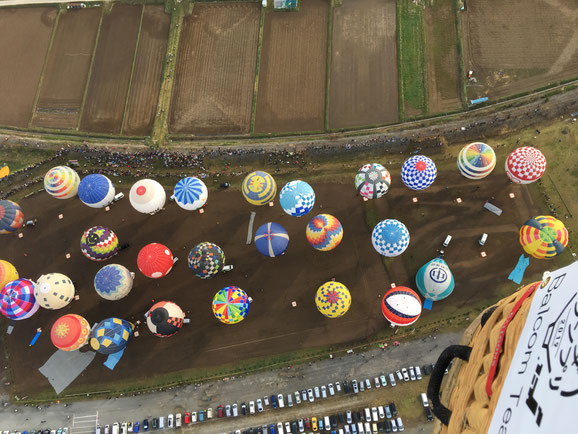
482 240
115 428
447 240
424 400
118 197
162 422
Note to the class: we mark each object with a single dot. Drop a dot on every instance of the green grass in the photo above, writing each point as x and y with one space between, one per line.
18 157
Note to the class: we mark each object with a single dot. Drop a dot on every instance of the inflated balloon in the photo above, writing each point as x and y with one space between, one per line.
418 172
435 280
70 332
206 260
147 196
54 291
61 182
271 239
297 198
324 232
11 216
333 299
99 243
8 273
401 306
476 160
17 299
259 188
191 193
390 237
165 318
544 237
113 282
111 335
230 305
96 191
525 165
372 180
155 260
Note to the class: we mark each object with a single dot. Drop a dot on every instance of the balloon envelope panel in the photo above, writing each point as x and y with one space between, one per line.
418 172
372 181
96 191
543 237
401 306
113 282
17 299
390 237
259 188
333 299
297 198
435 280
11 216
70 332
206 260
525 165
271 239
231 305
111 335
324 232
191 193
61 182
476 160
99 243
54 291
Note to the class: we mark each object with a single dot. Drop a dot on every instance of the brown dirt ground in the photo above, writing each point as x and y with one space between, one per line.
146 79
25 36
291 94
215 74
530 43
67 69
108 87
363 87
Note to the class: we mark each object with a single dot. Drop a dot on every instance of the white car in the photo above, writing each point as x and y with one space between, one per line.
310 395
280 400
209 413
374 416
337 386
348 417
259 405
280 429
399 424
393 425
362 386
304 395
381 412
287 427
123 428
377 383
297 397
367 414
383 380
412 373
331 389
235 409
367 384
252 407
392 380
194 417
178 420
418 372
399 376
289 400
317 394
266 400
323 391
405 374
301 425
170 420
354 386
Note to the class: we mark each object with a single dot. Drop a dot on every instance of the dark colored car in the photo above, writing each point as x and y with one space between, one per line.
274 401
426 369
393 409
355 416
345 386
294 429
307 423
341 418
387 426
333 420
380 426
272 429
155 423
243 409
145 425
428 414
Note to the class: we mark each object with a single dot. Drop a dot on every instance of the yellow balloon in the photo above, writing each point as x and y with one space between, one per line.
8 273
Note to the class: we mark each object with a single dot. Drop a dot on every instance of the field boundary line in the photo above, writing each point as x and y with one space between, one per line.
328 58
400 96
460 49
257 71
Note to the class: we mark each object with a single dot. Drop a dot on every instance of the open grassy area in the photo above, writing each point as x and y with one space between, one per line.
16 157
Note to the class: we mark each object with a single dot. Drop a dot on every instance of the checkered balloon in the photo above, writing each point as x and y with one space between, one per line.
333 299
418 172
372 180
297 198
525 165
390 238
206 260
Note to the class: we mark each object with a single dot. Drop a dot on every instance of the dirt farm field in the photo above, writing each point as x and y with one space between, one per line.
215 74
291 94
517 45
363 86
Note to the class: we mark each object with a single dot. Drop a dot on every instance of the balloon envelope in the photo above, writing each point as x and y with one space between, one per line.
324 232
401 306
525 165
297 198
543 237
17 299
99 243
11 216
333 299
390 237
230 305
111 335
206 260
147 196
259 188
96 190
8 273
418 172
372 180
271 239
165 318
155 260
113 282
70 332
54 291
435 280
476 160
191 193
61 182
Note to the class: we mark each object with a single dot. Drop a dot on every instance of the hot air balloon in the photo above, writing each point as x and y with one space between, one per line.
113 282
401 306
147 196
543 237
70 332
17 299
8 273
99 243
61 182
324 232
297 198
476 160
54 291
418 172
333 299
191 193
155 260
372 180
390 237
206 260
111 335
165 318
4 172
96 190
11 216
271 239
230 305
525 165
435 280
259 188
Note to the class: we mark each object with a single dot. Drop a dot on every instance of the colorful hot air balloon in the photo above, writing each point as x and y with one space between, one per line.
476 160
324 232
147 196
17 299
54 291
8 273
191 193
165 318
525 165
96 190
259 188
155 260
418 172
113 282
401 306
70 332
435 280
333 299
372 180
206 260
271 239
61 182
99 243
11 216
543 237
111 335
230 305
390 237
297 198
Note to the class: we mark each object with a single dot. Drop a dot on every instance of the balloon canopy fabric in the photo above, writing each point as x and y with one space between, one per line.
230 305
165 318
4 172
476 160
435 280
61 182
99 243
543 237
70 332
525 165
324 232
259 188
401 306
271 239
17 299
297 198
11 216
372 181
390 237
191 193
418 172
111 335
206 260
96 190
113 282
8 273
54 291
147 196
155 260
333 299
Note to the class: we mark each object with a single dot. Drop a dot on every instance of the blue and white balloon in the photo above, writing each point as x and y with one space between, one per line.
96 190
113 282
418 172
390 238
191 193
271 239
435 280
297 198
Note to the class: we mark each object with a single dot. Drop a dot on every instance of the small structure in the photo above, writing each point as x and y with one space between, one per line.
285 4
479 100
493 208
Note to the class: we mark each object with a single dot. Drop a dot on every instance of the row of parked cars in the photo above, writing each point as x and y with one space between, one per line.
46 431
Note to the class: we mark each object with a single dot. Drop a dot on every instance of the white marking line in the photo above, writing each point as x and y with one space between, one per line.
84 424
250 228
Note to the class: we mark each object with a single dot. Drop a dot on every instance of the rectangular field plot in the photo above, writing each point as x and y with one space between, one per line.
517 46
363 86
24 39
291 93
67 69
146 79
215 74
108 87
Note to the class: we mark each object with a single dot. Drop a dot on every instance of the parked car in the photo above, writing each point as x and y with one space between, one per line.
301 425
145 426
326 423
323 391
243 409
202 415
228 411
317 392
374 414
417 373
287 427
393 425
220 411
361 386
393 409
274 402
310 395
297 397
289 400
392 380
209 413
381 411
170 421
412 374
194 417
314 426
280 429
331 389
281 401
405 374
187 418
259 405
235 410
387 412
377 382
367 384
426 369
383 380
345 386
387 426
367 414
178 419
399 424
337 387
348 417
251 407
307 423
265 400
304 395
135 427
399 376
428 414
354 386
333 421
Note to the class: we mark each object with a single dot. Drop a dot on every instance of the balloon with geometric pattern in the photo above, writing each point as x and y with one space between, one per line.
111 335
297 198
543 237
17 299
333 299
113 282
271 239
390 237
324 232
191 193
418 172
525 165
259 188
11 216
99 243
70 332
54 291
476 160
165 318
372 180
206 260
61 182
401 306
230 305
8 273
